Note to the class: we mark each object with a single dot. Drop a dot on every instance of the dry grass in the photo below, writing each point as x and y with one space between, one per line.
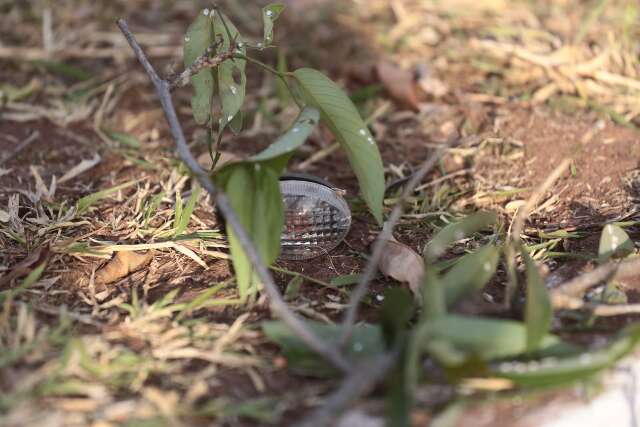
169 344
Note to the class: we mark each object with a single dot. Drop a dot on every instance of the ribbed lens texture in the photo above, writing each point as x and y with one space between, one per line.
316 219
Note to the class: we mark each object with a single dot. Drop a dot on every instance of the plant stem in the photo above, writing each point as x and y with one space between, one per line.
282 76
327 350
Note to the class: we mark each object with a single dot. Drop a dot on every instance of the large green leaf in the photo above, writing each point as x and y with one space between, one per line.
198 38
553 371
456 231
538 311
614 242
480 337
470 273
342 117
365 341
231 78
269 14
254 193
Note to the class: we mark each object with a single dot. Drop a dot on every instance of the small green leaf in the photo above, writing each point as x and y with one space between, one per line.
470 273
347 279
538 311
342 117
457 231
614 243
231 78
236 124
64 69
366 341
293 288
84 203
185 214
198 38
31 278
292 138
269 14
123 138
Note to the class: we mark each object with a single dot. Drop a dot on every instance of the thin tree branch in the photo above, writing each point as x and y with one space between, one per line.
360 291
279 307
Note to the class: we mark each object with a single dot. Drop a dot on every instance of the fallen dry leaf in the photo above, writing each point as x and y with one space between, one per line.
400 84
122 264
81 167
403 264
24 267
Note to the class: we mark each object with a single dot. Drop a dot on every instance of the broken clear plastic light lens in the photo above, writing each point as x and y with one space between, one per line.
317 219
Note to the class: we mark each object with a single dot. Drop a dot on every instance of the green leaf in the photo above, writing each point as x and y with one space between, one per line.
470 273
64 69
293 138
395 313
347 279
269 14
342 117
123 138
254 194
480 337
365 341
457 231
553 371
198 38
614 243
185 214
293 288
433 296
84 203
236 124
538 311
31 278
231 78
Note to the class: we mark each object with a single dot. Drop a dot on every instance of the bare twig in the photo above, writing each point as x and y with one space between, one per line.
360 382
280 308
378 248
208 59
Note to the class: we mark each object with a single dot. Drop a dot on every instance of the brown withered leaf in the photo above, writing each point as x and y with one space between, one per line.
123 263
403 264
400 84
24 267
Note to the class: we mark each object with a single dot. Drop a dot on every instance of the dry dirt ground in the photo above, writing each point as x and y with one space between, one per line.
168 344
